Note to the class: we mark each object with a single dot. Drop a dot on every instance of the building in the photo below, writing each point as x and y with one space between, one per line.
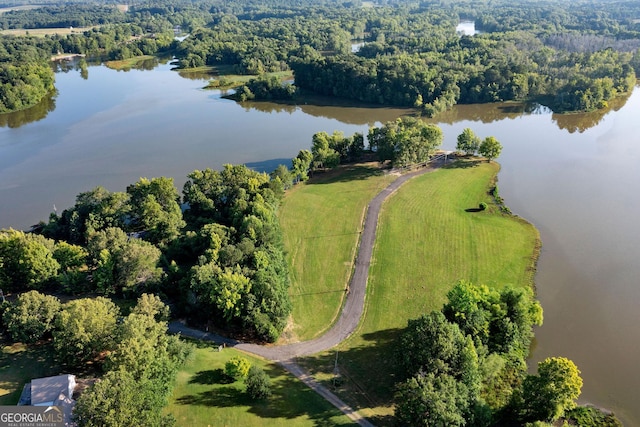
51 391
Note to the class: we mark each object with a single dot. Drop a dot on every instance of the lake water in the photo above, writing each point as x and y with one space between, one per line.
467 28
575 177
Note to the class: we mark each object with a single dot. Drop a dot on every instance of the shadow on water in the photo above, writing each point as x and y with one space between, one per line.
270 165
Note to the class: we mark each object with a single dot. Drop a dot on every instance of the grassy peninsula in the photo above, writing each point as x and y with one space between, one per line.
428 238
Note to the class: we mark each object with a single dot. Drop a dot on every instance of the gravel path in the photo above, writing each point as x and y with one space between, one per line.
350 316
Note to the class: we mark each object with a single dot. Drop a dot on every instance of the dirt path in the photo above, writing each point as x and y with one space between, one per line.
350 316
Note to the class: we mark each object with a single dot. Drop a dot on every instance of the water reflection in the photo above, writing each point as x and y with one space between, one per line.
33 114
345 111
583 121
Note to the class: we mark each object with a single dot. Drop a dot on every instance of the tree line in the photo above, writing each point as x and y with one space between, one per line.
570 57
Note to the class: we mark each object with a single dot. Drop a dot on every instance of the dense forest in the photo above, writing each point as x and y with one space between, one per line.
221 261
570 57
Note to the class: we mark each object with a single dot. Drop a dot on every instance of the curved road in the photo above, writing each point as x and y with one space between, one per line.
352 310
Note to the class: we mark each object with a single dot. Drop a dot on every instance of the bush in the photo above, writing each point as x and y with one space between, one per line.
258 383
483 206
237 368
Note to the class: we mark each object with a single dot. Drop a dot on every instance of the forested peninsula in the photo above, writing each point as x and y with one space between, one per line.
569 56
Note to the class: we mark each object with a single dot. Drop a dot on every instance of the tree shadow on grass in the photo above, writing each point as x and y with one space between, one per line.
368 372
346 173
290 399
212 376
464 163
473 210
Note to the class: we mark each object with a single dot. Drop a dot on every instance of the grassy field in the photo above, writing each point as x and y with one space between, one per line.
127 64
19 364
41 32
202 397
321 222
426 242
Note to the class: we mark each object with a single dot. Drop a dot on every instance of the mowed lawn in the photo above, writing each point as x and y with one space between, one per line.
426 242
203 397
321 222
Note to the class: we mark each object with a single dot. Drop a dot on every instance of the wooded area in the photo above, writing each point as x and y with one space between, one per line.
570 56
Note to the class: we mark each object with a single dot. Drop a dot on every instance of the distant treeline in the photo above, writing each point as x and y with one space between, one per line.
571 56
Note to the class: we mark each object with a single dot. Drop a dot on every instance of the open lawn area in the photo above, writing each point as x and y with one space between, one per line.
41 32
203 397
321 222
427 241
19 364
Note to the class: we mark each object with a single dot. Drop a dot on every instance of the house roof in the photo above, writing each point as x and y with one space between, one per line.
48 390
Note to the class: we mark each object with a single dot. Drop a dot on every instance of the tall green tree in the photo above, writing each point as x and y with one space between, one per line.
553 391
490 148
155 209
468 142
85 329
31 316
26 261
432 400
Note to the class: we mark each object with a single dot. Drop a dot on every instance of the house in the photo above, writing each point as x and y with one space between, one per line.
51 391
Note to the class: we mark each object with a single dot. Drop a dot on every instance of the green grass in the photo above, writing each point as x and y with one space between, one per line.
127 64
426 242
203 397
19 364
321 223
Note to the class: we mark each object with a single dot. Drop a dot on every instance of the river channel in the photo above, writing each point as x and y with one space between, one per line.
575 177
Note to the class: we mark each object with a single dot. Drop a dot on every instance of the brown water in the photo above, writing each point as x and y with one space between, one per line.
576 177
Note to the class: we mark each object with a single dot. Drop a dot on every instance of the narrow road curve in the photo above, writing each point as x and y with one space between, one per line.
352 310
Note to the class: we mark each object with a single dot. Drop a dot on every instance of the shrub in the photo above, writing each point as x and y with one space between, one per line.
483 206
258 383
237 368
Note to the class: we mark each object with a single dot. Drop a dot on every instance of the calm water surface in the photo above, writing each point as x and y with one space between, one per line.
575 177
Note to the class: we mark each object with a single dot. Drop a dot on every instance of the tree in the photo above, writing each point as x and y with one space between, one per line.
405 141
237 368
431 400
257 383
302 164
31 316
553 391
490 148
119 399
225 289
468 142
284 176
152 306
155 209
123 265
27 260
84 329
323 155
431 344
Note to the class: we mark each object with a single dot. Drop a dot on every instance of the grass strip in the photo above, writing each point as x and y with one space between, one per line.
321 222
